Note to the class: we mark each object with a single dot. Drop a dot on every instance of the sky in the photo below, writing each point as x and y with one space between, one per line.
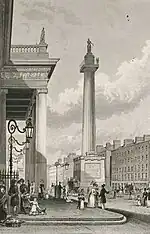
120 33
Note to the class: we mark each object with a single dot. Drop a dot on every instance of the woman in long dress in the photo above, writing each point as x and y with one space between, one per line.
91 199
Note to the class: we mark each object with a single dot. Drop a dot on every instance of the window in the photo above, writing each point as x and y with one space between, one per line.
146 156
128 176
142 157
128 160
146 147
145 175
135 176
139 148
142 175
128 168
132 168
139 176
142 167
128 152
146 166
125 169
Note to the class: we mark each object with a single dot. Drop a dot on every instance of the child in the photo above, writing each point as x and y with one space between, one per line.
81 199
68 200
35 209
138 200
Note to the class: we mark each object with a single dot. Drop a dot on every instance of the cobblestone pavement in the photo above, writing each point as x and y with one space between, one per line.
129 228
61 209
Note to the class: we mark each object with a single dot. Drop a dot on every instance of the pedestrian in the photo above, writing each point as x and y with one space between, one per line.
59 190
35 209
148 198
82 199
79 198
28 186
138 200
96 197
92 198
41 189
103 193
32 188
23 190
14 194
3 204
115 193
64 192
144 197
52 191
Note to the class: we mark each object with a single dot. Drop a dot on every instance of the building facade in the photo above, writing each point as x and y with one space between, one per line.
131 163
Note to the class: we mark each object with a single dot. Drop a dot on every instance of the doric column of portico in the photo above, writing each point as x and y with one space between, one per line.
41 134
3 93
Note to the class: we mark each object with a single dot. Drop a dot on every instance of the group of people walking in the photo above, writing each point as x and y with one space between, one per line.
144 200
95 197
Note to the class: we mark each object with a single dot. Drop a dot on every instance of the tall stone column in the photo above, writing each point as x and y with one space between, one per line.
3 93
41 134
88 67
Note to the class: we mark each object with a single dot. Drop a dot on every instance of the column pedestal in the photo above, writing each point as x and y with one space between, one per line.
92 169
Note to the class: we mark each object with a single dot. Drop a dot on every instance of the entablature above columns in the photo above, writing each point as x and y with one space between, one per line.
32 74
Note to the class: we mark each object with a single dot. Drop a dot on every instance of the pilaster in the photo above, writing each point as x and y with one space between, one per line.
3 93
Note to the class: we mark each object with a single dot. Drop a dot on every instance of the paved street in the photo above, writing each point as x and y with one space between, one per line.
128 205
61 209
128 228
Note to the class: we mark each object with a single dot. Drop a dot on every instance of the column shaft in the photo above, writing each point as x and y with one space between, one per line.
88 128
41 134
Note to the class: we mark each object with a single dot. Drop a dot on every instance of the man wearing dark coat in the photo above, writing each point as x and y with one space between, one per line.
3 203
14 194
103 196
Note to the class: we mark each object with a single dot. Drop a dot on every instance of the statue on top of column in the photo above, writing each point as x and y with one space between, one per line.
42 37
89 43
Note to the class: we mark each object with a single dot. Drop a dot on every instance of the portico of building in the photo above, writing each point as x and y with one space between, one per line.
25 71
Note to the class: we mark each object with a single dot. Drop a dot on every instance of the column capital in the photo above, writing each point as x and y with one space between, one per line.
42 90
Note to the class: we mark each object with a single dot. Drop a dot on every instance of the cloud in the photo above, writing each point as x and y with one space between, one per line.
123 94
38 10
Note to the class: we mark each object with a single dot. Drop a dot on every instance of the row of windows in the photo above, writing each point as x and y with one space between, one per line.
131 160
136 176
131 168
130 151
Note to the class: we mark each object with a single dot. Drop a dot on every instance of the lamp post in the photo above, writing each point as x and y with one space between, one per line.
12 127
65 168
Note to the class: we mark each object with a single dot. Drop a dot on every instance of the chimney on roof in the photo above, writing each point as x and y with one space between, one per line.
128 141
116 144
138 139
146 138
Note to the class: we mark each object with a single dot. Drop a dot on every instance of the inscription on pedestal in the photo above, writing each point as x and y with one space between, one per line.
92 170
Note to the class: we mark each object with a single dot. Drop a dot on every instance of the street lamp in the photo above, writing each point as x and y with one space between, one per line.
12 126
66 166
